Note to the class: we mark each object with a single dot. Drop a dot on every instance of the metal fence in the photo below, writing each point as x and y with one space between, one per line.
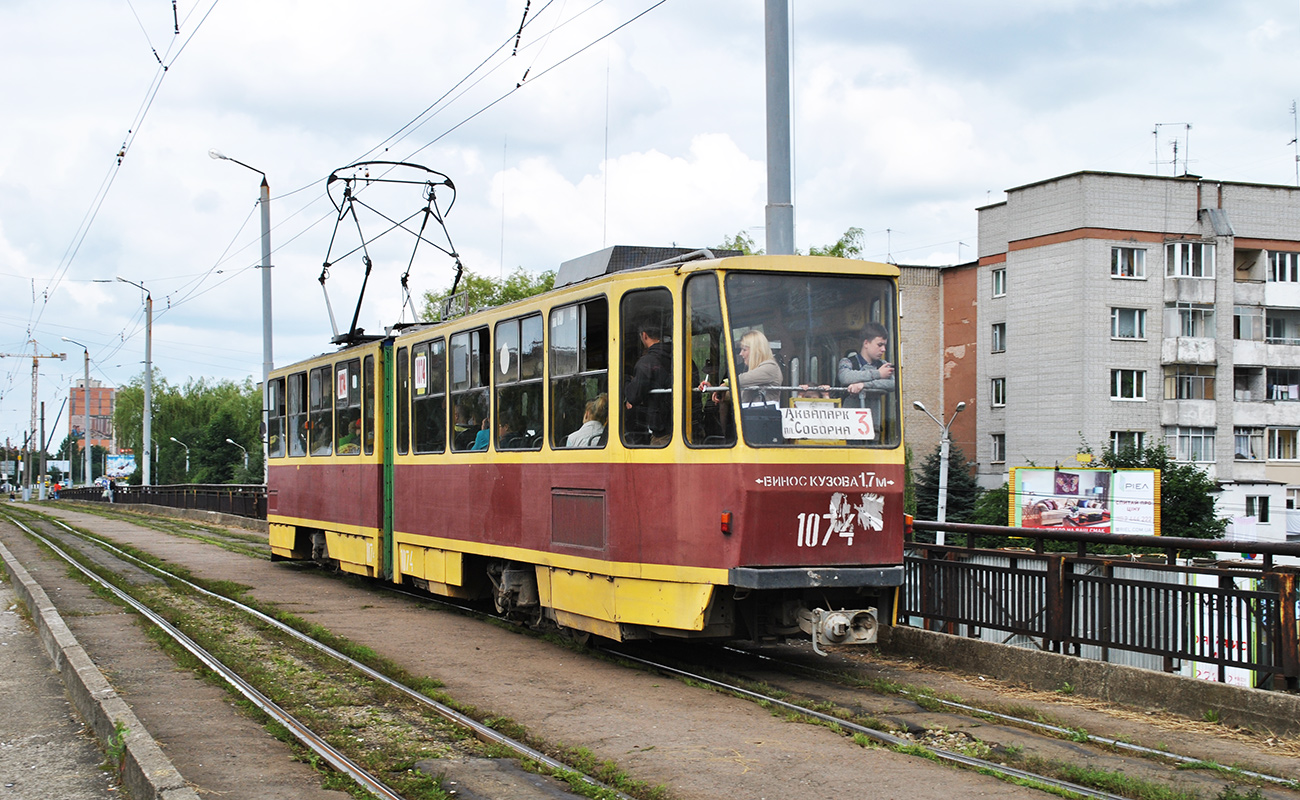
1222 621
243 500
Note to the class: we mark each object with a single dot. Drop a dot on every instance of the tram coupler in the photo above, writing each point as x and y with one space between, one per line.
845 626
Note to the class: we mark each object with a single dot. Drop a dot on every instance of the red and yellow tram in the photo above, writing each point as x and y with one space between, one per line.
599 457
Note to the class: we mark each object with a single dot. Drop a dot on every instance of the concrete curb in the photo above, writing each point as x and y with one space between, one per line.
1258 709
198 515
145 771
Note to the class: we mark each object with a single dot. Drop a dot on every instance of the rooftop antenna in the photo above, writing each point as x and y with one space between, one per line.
1295 141
1187 135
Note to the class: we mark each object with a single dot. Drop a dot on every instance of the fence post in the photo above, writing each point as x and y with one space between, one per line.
1288 643
1056 603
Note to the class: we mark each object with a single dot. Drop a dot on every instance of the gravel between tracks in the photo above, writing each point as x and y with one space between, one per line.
697 743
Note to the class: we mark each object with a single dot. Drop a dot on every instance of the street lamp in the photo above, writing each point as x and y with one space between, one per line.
85 434
944 445
187 456
241 447
267 360
148 378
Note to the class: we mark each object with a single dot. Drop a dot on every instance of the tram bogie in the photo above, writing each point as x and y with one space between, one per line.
605 458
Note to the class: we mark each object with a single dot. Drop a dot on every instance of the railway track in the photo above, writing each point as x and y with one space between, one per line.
301 730
1230 782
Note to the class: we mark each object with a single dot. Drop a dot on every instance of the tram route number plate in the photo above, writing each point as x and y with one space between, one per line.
827 422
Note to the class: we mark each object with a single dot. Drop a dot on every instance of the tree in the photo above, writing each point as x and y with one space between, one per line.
483 292
743 242
963 490
848 246
992 507
1186 492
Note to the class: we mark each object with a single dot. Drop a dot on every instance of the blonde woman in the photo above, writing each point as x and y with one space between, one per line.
761 369
593 424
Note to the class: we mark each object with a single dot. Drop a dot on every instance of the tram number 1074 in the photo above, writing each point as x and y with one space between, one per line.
842 520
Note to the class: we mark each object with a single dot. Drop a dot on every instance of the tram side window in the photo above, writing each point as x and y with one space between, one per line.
708 420
429 398
321 410
646 324
519 383
368 404
471 356
403 393
297 401
580 374
275 418
347 407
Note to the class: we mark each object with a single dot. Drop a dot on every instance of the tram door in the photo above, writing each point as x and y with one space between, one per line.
646 325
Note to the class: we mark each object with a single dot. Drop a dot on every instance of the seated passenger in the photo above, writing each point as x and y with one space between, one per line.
761 369
592 432
482 437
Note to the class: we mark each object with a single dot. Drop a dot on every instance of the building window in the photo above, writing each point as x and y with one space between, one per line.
998 392
1128 262
1128 384
1247 443
1189 260
1281 326
1284 384
1282 444
1128 323
1189 319
1189 382
999 337
1257 506
999 453
1190 444
1248 323
1284 267
999 282
1126 440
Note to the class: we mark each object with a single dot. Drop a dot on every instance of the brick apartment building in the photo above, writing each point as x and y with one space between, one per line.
103 402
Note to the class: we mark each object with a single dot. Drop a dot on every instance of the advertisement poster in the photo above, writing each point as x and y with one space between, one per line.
121 466
1125 501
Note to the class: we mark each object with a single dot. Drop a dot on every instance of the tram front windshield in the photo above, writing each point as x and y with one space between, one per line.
814 359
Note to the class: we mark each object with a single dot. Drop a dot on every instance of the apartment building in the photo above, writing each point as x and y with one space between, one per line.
1122 309
103 402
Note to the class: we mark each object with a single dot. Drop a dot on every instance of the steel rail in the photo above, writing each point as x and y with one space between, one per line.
480 730
877 735
301 732
1066 732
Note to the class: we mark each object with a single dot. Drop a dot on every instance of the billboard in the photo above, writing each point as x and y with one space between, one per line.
1125 501
121 466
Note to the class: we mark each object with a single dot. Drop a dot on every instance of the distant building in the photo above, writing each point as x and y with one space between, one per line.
103 402
1135 309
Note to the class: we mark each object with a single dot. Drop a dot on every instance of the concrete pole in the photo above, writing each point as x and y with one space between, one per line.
267 359
148 389
780 202
85 434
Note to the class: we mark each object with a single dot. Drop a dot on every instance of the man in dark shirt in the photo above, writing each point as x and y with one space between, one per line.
648 410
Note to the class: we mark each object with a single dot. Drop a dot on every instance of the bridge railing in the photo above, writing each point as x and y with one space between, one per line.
1232 622
243 500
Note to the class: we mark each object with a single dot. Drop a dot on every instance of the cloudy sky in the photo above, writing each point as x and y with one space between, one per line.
614 122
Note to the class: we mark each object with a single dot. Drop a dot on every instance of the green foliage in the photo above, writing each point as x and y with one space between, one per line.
483 292
743 242
1186 492
991 507
848 246
963 490
909 483
201 414
71 451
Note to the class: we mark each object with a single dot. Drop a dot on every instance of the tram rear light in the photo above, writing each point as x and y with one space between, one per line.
726 522
907 526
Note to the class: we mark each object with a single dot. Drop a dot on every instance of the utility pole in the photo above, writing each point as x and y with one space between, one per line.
36 363
780 196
